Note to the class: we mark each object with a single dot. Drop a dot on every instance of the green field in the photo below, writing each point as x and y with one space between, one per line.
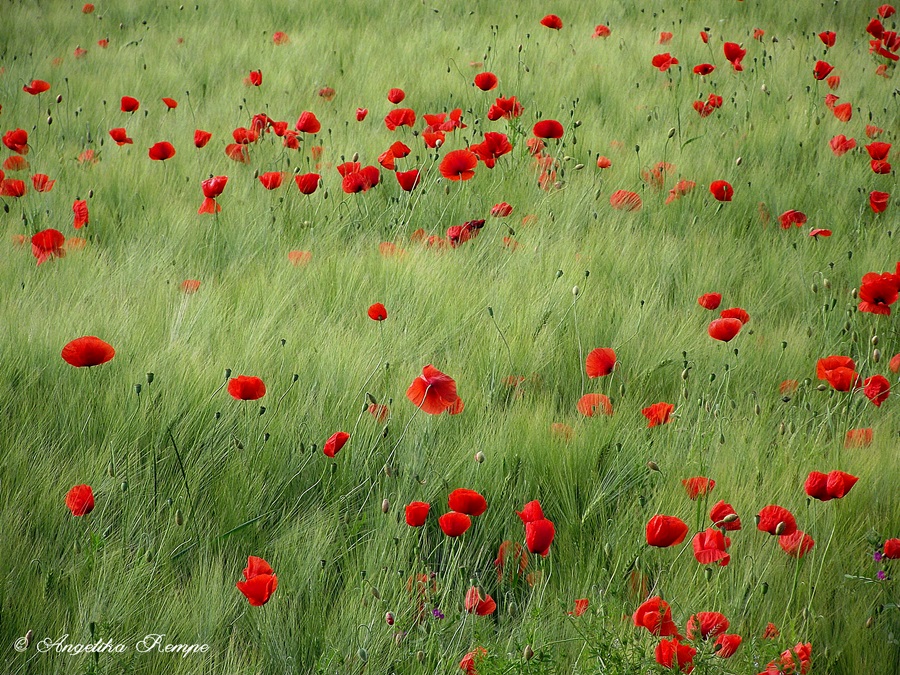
189 482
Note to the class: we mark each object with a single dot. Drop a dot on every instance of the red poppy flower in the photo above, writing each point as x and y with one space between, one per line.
773 516
280 38
827 37
171 103
724 330
726 645
843 379
259 582
162 151
307 182
361 114
201 138
87 157
711 546
552 21
467 501
840 144
377 312
655 615
822 70
48 244
721 190
894 364
704 69
17 141
416 513
396 95
886 11
36 87
335 443
458 165
454 524
658 413
246 388
237 152
130 104
843 112
590 404
530 512
308 124
12 187
518 552
710 300
507 108
831 363
878 150
103 43
299 258
432 391
190 286
796 545
548 129
601 31
212 188
698 486
600 362
734 53
469 660
834 81
42 182
254 78
623 200
501 210
720 512
704 625
475 604
539 535
400 117
80 500
486 81
878 292
120 136
665 531
15 163
878 201
581 606
664 61
735 313
80 209
858 438
876 389
792 217
271 180
87 351
603 162
891 549
494 145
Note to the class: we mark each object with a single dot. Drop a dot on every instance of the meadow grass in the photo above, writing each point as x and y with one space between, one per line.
188 482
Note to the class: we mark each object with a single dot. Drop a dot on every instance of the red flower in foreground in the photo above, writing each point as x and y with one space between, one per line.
796 545
601 31
891 549
590 404
475 604
42 182
36 87
307 183
548 129
710 300
600 362
308 124
704 69
48 244
711 546
400 117
454 524
130 104
705 625
803 652
80 500
408 180
416 513
260 581
624 200
726 645
656 616
877 389
664 531
458 165
82 217
827 37
878 292
432 391
840 144
822 70
467 501
212 188
539 535
486 81
724 330
468 661
377 312
162 151
792 217
698 486
552 21
271 180
246 388
531 512
201 138
87 351
12 187
255 78
658 413
171 103
723 515
735 313
773 518
396 95
664 61
878 201
674 654
721 190
335 443
581 606
17 141
120 136
734 53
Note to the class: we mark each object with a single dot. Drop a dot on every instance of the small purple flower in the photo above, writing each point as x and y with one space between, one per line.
881 575
877 556
437 613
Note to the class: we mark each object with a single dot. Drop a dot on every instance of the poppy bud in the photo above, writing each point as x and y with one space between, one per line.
149 557
708 573
874 340
575 291
110 471
721 439
491 312
730 518
869 622
385 505
876 355
559 273
685 373
137 389
780 528
822 387
124 486
420 656
363 655
28 637
179 517
738 161
149 378
389 618
826 283
815 289
653 466
757 409
528 653
227 373
672 132
479 457
579 167
853 293
376 593
49 121
76 547
765 588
